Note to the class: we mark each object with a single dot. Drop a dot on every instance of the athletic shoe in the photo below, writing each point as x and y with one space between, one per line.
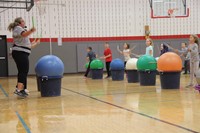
27 91
107 77
21 93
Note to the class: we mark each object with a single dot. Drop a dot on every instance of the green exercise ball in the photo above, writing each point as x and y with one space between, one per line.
96 64
146 62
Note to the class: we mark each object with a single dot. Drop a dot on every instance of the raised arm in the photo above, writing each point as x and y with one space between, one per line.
29 32
133 47
119 50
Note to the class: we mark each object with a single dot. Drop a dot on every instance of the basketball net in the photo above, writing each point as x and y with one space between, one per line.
171 12
40 6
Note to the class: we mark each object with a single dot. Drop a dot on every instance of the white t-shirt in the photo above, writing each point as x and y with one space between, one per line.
126 53
148 49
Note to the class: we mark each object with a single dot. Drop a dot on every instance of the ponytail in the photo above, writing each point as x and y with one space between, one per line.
14 24
196 38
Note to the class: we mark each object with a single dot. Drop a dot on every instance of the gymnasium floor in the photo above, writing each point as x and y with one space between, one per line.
100 106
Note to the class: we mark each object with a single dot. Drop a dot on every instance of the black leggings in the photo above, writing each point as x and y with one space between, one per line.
22 63
125 66
186 66
108 69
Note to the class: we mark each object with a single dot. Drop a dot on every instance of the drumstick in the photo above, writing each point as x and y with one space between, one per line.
118 48
33 22
133 47
38 37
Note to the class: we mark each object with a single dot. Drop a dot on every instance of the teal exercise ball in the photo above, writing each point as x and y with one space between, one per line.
146 62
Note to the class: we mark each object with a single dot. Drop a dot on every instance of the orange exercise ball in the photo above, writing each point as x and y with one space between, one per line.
169 62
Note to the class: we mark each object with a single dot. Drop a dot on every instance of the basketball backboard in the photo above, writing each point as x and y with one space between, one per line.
168 8
16 4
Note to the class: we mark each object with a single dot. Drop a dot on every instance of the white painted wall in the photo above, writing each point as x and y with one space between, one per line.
102 18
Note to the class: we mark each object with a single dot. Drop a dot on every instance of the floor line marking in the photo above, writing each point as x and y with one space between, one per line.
3 90
23 122
129 110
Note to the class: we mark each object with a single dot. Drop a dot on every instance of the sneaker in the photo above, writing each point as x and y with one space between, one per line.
21 93
107 77
27 91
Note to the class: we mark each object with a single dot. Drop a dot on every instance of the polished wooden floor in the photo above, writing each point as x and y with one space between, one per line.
100 106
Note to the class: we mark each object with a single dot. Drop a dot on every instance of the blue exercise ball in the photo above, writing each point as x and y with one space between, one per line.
117 64
49 65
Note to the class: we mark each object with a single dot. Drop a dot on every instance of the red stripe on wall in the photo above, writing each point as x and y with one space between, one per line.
122 38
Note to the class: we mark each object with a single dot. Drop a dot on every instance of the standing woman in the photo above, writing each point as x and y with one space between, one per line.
20 53
149 48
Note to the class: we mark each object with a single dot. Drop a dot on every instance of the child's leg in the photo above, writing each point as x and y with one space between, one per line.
188 66
191 73
107 68
109 73
194 66
185 66
125 66
88 70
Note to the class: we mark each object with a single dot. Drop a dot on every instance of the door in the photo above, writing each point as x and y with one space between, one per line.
3 56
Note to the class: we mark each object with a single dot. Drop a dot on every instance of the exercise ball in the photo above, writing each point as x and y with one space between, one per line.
117 64
49 65
86 65
169 62
96 64
131 64
146 62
